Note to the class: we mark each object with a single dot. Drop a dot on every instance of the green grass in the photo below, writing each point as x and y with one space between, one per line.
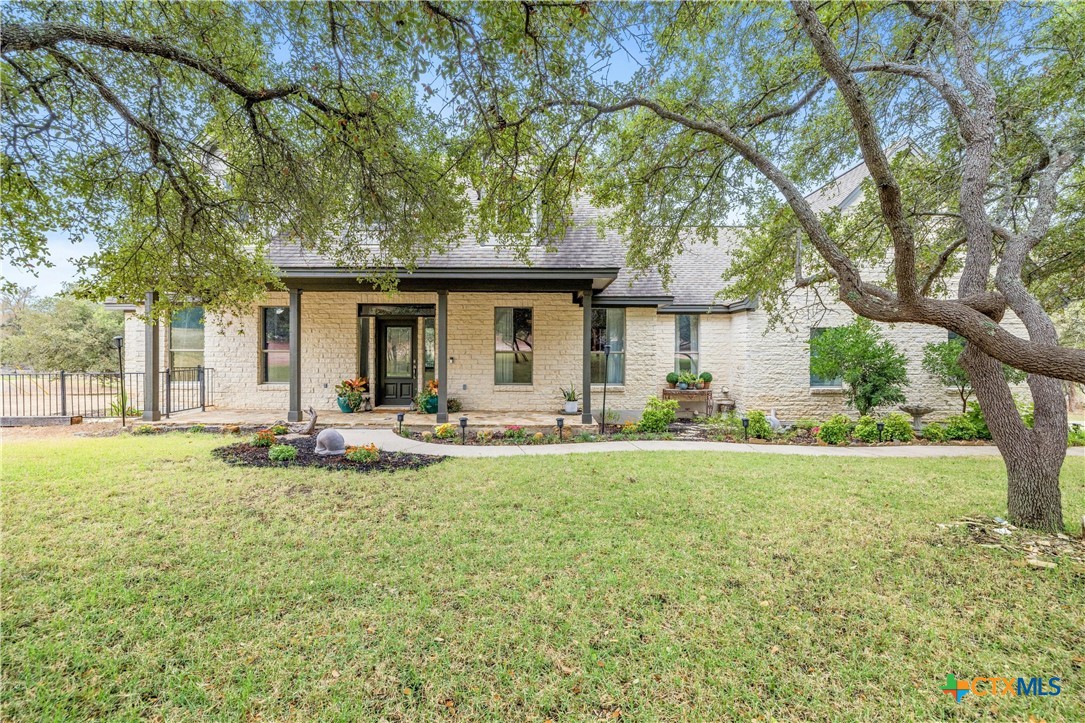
142 578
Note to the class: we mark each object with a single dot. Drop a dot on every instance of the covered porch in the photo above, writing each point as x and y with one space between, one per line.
444 327
377 419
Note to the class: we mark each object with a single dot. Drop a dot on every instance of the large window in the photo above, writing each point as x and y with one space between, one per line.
815 380
429 349
275 344
186 338
608 327
513 345
687 342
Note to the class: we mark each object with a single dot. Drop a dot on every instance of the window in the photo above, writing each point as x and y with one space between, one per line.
815 380
513 345
687 342
608 327
950 336
429 349
275 345
186 338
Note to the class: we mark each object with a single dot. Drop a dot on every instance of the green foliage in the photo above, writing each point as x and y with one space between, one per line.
514 433
59 333
365 454
872 369
975 417
805 423
582 437
199 429
353 392
672 377
279 429
1075 436
264 438
941 362
935 432
282 453
121 404
836 430
658 415
454 405
898 428
445 431
570 394
866 429
142 429
706 376
960 428
723 426
759 425
687 378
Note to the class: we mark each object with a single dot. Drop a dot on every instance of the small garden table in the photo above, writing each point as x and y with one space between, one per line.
691 401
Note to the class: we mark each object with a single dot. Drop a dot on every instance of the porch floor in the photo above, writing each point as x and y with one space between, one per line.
381 417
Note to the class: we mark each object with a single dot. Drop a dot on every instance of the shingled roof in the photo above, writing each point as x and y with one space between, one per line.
696 273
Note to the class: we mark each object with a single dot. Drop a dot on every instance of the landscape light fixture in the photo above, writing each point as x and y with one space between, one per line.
881 426
463 430
118 344
746 428
399 418
606 377
561 423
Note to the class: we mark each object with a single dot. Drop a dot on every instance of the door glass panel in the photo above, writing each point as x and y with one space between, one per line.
397 351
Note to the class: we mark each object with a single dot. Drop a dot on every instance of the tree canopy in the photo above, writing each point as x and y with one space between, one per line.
58 333
873 371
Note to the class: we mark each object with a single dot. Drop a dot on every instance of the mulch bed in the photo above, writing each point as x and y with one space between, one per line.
1039 549
247 455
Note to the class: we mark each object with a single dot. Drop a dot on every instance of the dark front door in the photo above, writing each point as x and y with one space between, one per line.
395 362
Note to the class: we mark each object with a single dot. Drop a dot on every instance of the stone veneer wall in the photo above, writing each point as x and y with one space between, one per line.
761 368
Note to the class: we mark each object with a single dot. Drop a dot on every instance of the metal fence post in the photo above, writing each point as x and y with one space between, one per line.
169 393
63 394
203 387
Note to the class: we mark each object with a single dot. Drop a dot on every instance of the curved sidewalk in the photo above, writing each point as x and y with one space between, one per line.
389 441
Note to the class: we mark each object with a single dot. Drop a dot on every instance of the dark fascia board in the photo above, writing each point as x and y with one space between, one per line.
613 300
465 285
744 305
454 273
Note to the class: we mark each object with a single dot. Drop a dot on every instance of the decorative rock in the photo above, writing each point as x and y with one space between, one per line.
231 429
329 442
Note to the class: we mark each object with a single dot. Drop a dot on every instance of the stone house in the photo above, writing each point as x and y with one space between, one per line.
499 334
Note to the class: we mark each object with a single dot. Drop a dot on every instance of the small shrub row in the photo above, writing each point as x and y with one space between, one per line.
367 453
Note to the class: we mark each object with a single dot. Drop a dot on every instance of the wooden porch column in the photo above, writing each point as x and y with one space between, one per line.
442 357
586 382
152 409
294 413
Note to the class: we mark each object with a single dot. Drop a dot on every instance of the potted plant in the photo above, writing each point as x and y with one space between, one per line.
686 380
706 377
672 380
571 398
350 394
426 400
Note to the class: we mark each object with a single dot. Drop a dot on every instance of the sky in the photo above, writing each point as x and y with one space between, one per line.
51 280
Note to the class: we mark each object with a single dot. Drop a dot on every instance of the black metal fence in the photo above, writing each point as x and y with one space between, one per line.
102 394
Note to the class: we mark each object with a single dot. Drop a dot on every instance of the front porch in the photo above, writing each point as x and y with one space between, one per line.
380 418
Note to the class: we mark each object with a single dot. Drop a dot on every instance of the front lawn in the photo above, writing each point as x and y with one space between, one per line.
144 578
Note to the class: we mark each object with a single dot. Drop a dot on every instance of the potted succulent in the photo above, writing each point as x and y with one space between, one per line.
350 394
571 398
672 380
686 380
706 377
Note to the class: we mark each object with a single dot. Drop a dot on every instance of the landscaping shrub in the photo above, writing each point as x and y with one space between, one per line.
898 428
835 431
143 429
484 436
759 425
282 453
630 428
584 437
658 415
806 424
538 438
264 438
427 436
960 427
445 431
279 429
1075 437
672 378
866 429
975 417
515 433
197 429
935 432
454 405
721 425
367 453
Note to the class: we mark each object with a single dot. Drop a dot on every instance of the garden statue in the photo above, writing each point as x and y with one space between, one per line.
330 442
776 424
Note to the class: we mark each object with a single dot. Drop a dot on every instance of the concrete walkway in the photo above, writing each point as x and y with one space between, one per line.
389 441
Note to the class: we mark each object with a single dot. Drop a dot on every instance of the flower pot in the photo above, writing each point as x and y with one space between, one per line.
683 385
671 385
571 407
700 385
430 405
344 405
707 385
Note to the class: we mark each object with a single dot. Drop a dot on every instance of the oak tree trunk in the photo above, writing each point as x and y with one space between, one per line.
1033 457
